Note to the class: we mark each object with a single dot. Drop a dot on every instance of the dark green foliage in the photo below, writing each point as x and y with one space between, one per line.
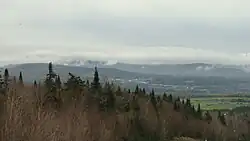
50 68
188 103
20 78
221 118
170 98
14 79
193 110
178 99
2 85
58 82
208 117
6 77
183 102
176 106
51 96
158 99
137 89
35 84
118 91
199 112
165 97
129 91
152 98
134 104
96 81
50 79
87 83
107 98
73 83
144 91
154 102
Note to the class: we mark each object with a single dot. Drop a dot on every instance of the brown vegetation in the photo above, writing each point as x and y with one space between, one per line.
101 113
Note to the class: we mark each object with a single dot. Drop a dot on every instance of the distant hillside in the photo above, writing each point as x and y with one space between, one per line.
197 69
37 71
193 69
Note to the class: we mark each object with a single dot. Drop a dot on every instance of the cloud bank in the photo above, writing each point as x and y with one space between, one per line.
133 31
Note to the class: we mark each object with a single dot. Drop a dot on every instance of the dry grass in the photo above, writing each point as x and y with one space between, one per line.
22 120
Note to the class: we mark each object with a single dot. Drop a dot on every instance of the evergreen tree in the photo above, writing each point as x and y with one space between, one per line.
73 83
87 83
188 102
6 77
96 84
183 102
208 117
107 99
35 84
137 89
158 99
50 68
58 82
50 79
221 117
144 91
193 110
20 78
118 91
165 98
152 98
170 98
199 112
2 85
219 114
178 99
176 106
129 91
134 104
14 79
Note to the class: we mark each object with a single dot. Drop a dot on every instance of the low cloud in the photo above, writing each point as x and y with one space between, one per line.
148 31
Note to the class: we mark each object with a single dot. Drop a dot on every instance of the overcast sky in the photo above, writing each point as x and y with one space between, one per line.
125 30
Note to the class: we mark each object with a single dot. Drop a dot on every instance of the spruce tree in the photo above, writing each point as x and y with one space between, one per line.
152 97
170 98
183 102
6 77
221 118
129 91
35 84
50 68
118 91
137 89
58 82
199 112
165 98
20 78
144 91
107 99
188 102
176 106
87 83
14 79
208 117
178 99
96 84
154 102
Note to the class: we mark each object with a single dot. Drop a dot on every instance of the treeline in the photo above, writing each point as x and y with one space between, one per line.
111 99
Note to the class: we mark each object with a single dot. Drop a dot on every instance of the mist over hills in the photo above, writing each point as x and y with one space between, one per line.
196 77
85 67
191 69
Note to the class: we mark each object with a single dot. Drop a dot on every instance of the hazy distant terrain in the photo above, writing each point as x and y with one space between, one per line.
192 78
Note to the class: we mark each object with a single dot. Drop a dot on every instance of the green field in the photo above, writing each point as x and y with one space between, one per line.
221 103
